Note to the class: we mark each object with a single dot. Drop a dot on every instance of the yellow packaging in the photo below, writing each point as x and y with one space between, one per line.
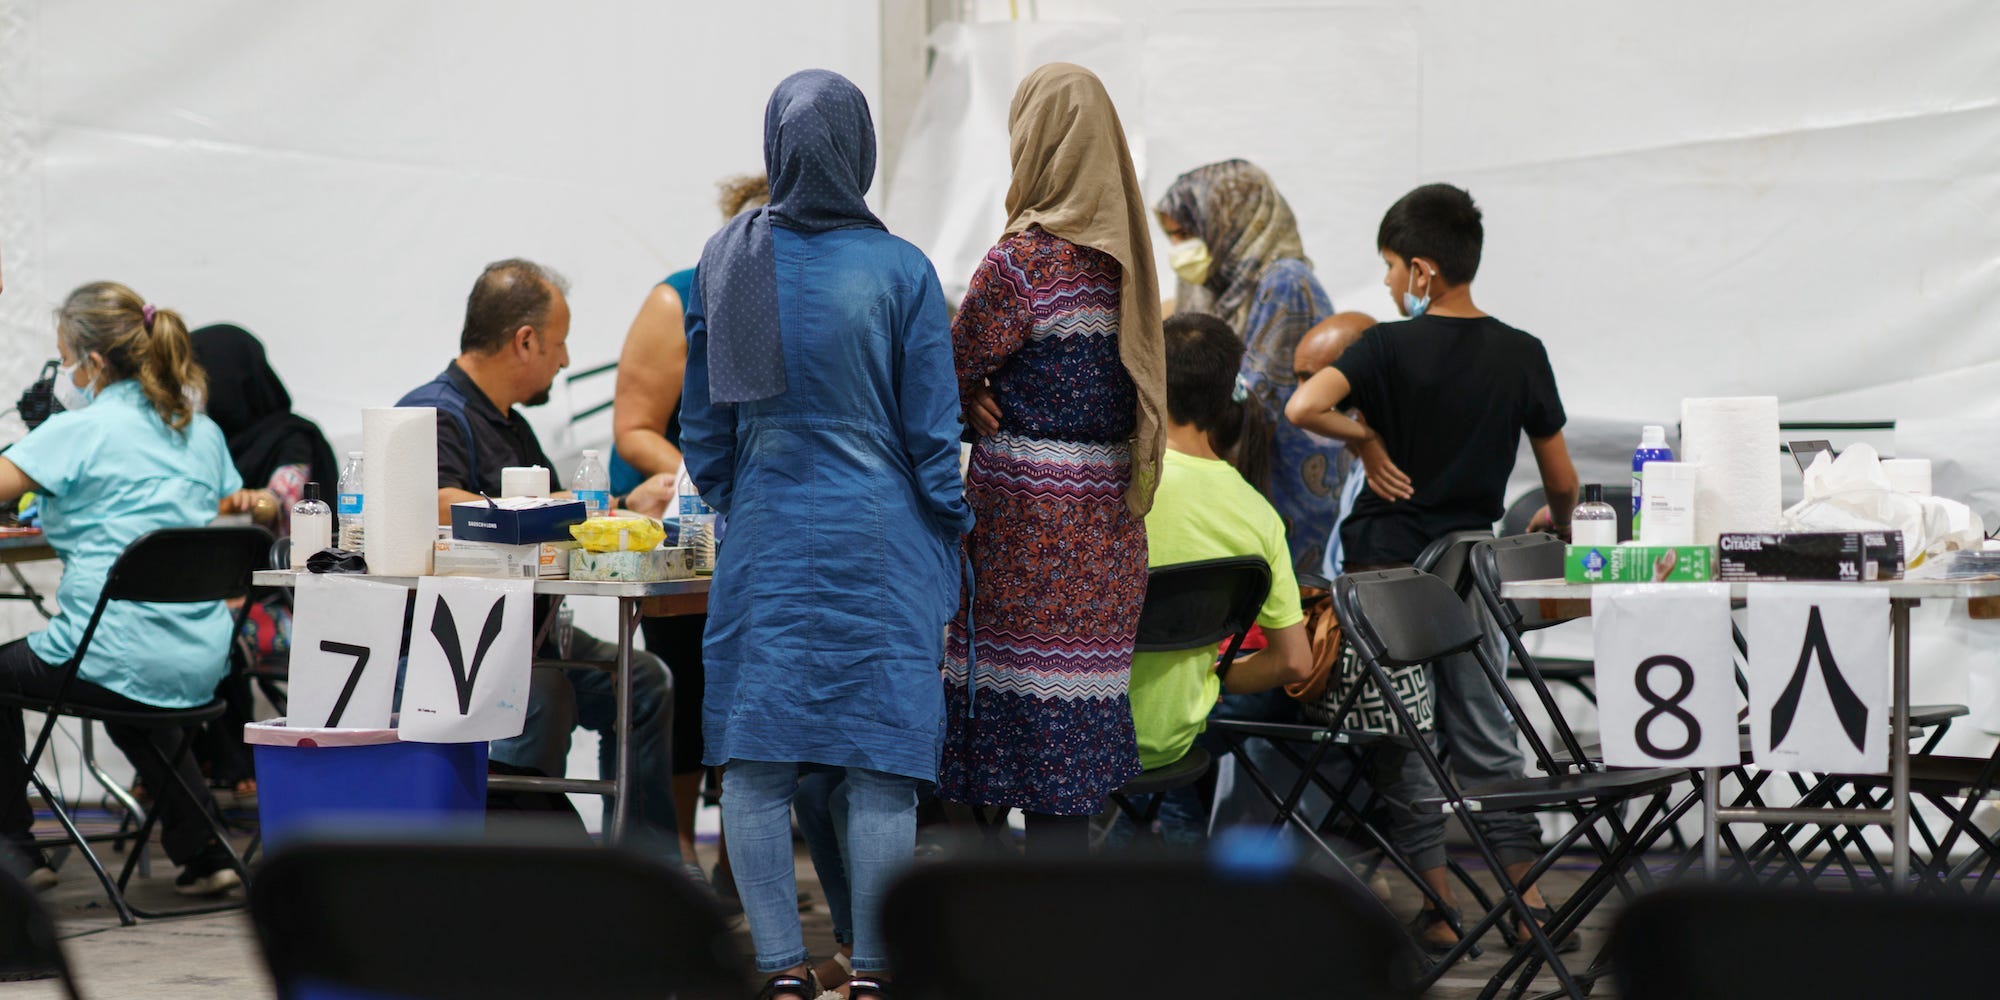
618 534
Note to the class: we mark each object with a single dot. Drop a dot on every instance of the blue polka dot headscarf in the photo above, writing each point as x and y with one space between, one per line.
819 150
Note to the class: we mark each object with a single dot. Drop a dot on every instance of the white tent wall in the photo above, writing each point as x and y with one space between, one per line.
1788 198
333 176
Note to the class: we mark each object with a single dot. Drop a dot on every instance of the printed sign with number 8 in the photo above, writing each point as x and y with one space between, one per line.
1666 679
1668 706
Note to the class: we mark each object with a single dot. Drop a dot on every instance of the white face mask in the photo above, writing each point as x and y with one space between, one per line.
68 393
1190 261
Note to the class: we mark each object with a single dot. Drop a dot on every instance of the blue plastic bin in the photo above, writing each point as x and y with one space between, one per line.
333 782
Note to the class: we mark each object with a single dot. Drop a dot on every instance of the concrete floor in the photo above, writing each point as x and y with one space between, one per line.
216 955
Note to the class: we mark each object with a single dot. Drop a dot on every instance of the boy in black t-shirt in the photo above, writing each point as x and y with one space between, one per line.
1443 398
1446 394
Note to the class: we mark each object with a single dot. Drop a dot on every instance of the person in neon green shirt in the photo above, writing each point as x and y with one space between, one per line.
1207 509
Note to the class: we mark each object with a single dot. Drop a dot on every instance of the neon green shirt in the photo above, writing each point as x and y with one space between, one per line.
1203 510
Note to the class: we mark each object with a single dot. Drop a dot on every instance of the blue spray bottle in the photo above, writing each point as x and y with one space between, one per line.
1652 448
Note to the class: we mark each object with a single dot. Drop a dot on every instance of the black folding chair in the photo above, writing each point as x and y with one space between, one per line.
1521 512
272 672
1192 605
1119 927
487 921
28 948
1402 617
1515 558
1537 557
1357 813
1568 672
169 566
1705 942
1953 785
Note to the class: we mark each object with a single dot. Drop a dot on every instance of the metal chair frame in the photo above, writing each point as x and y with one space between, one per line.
134 578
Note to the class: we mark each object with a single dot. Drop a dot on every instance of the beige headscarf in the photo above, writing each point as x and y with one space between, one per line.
1073 177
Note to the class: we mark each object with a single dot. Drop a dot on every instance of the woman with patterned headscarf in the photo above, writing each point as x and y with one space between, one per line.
1061 361
1237 253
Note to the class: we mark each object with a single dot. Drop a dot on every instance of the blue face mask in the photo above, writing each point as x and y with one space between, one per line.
1413 306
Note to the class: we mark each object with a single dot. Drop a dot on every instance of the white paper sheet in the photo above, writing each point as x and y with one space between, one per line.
1820 677
346 632
470 655
1666 681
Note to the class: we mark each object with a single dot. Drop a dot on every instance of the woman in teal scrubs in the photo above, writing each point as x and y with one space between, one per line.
130 455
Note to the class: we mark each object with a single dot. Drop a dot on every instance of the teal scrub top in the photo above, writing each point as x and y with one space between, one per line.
109 473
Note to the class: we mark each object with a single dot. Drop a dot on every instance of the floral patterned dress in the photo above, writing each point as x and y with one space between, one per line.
1059 564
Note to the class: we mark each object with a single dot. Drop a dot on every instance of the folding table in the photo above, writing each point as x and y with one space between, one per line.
1903 595
20 545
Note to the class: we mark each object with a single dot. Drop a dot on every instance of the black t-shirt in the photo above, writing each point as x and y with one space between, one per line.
1450 398
502 439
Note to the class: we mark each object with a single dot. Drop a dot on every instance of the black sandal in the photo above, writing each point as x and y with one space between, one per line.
1544 915
804 987
865 986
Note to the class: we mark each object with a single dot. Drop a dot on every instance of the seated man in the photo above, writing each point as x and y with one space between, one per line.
1322 346
1206 509
1327 340
513 344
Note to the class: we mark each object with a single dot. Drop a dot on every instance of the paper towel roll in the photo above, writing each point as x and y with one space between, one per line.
1909 475
1735 442
399 477
524 481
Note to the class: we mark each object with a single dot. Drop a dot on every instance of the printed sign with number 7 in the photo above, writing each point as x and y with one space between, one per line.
346 632
1666 679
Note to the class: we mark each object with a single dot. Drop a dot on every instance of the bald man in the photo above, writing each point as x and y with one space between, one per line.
1326 341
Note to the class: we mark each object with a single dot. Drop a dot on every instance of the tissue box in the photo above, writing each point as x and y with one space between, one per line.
1779 556
539 561
515 520
630 567
1639 564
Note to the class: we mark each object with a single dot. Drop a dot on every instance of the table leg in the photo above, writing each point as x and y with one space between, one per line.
621 809
1899 743
28 592
1711 781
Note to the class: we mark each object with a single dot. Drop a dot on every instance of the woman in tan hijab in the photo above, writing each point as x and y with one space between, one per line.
1061 364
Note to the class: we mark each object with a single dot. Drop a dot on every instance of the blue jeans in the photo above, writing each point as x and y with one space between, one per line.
561 700
820 806
1183 820
881 838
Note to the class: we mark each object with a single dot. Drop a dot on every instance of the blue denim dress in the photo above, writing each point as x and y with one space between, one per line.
840 565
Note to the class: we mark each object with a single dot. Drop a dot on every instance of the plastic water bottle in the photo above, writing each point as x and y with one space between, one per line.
592 485
1652 448
697 523
350 504
311 526
1595 522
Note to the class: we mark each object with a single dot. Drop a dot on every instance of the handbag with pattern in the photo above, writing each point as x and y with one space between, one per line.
1337 673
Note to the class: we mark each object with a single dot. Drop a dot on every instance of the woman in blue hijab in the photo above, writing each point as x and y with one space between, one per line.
822 417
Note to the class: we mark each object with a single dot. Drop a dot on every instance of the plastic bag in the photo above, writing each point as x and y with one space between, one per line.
618 534
1852 493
